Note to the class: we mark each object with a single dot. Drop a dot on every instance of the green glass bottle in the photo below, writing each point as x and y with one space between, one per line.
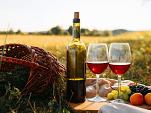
76 56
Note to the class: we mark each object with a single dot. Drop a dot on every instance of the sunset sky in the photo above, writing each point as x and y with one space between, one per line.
41 15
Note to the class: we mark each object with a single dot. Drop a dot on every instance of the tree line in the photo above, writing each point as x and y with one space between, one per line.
57 30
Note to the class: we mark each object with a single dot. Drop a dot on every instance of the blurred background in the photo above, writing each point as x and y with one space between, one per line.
48 24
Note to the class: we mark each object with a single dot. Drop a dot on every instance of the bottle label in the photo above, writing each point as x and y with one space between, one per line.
75 79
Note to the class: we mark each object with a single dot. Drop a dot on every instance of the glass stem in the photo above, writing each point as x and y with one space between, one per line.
119 85
97 84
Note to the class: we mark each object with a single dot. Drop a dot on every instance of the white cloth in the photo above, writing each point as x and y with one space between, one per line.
115 107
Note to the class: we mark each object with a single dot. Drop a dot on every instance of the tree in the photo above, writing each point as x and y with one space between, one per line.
94 32
65 32
49 32
106 33
85 32
70 30
18 31
56 30
11 31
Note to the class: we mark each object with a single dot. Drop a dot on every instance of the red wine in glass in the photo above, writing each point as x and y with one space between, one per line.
119 62
97 67
119 68
97 62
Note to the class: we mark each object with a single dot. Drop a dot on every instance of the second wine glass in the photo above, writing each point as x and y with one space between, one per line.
97 61
119 62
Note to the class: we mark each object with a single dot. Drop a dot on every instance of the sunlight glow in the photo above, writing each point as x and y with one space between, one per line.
40 15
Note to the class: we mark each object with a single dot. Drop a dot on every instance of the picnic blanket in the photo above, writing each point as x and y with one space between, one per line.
115 107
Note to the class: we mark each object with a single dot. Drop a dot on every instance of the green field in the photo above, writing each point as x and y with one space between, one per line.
140 70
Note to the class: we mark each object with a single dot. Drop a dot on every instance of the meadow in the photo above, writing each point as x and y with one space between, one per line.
140 70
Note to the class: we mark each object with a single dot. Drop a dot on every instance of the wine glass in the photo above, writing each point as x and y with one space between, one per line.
119 62
97 61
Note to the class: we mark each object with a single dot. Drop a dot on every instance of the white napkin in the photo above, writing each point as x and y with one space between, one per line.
115 107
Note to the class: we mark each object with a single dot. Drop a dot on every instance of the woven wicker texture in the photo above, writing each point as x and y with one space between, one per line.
43 67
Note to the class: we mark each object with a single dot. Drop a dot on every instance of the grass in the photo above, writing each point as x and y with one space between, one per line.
140 70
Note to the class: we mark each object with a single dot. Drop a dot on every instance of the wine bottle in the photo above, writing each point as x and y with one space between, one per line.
76 56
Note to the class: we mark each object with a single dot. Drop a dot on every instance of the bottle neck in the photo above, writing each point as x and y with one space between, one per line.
76 29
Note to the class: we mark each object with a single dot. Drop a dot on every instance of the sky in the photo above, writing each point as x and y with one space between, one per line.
41 15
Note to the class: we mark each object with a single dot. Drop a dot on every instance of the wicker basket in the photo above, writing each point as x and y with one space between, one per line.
38 68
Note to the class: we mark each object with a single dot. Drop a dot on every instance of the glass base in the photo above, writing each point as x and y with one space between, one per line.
97 99
118 101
